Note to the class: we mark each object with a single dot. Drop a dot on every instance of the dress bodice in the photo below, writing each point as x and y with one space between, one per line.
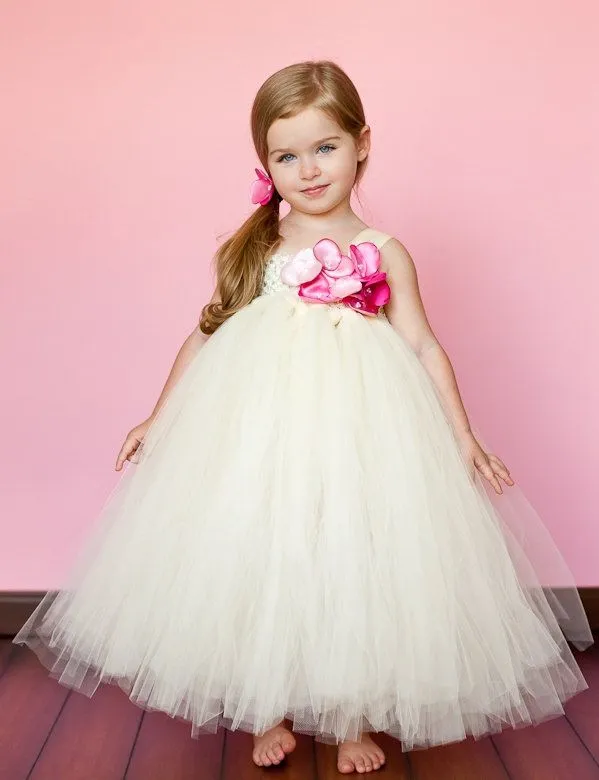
271 275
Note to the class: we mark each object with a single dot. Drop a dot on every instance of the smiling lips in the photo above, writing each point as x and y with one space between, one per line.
315 190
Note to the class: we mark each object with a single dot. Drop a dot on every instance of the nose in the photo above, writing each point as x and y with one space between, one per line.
309 169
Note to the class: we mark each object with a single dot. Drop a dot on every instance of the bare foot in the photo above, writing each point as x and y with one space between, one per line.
272 746
361 756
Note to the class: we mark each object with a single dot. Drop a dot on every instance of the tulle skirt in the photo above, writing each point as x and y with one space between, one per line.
300 537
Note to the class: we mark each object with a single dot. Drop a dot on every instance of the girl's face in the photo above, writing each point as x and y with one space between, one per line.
310 150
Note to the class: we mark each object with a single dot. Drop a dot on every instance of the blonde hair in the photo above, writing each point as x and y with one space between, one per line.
239 261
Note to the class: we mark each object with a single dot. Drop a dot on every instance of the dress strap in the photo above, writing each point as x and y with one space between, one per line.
374 236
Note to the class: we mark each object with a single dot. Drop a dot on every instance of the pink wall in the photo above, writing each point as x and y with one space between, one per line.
125 153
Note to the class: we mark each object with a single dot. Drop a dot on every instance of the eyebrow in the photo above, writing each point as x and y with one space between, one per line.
322 140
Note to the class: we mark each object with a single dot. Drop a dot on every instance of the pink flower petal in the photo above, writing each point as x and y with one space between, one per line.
302 268
378 293
371 297
261 192
329 254
345 268
366 257
374 278
316 290
340 288
359 304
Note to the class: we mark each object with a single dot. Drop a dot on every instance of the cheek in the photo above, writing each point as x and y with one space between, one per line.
344 165
282 178
350 160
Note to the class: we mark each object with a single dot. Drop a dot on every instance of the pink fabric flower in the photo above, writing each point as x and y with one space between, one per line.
262 188
324 275
374 294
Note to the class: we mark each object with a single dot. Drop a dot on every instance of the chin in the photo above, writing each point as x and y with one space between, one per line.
318 206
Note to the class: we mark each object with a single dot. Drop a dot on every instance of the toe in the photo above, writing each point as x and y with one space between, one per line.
280 750
345 766
373 759
360 765
265 758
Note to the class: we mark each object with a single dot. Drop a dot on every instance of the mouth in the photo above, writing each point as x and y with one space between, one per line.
315 190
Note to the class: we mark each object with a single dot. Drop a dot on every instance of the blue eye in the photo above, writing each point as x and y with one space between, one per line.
324 146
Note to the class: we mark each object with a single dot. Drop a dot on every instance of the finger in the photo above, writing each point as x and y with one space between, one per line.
496 484
498 460
504 474
128 447
488 472
501 469
120 459
137 448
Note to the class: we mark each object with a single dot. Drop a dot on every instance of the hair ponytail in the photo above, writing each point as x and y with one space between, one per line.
239 264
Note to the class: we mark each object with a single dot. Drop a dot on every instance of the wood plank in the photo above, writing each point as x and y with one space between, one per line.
549 751
164 750
30 702
396 764
467 760
96 732
238 763
582 711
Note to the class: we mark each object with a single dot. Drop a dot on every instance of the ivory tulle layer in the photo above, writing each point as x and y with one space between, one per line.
301 538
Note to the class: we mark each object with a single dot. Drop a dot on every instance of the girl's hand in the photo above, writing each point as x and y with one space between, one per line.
490 466
132 443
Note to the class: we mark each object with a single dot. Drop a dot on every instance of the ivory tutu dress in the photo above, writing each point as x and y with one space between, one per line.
301 538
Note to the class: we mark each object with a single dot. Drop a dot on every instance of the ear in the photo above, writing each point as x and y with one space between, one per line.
363 143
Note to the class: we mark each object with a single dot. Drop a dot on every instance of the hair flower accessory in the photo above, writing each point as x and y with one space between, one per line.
262 188
324 275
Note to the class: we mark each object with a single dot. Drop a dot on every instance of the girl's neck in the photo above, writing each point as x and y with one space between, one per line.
337 219
343 237
300 230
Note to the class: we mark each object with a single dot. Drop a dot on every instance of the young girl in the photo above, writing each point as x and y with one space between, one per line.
309 533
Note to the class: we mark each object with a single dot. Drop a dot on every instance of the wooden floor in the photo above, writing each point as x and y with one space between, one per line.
48 732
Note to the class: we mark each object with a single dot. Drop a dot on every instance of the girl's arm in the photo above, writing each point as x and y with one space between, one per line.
130 448
189 349
407 316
